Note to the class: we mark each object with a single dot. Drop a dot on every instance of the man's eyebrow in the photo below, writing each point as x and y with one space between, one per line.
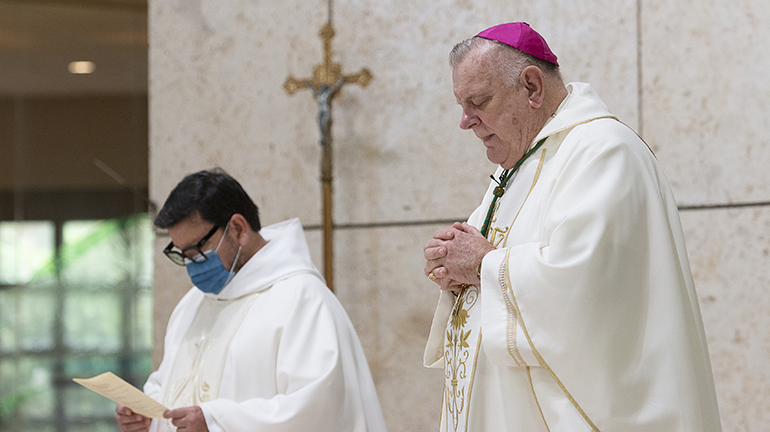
194 243
179 247
474 96
184 247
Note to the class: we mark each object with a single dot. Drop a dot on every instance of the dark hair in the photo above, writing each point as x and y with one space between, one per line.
214 195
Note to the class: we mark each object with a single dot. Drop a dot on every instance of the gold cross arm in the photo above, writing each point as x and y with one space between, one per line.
327 73
292 84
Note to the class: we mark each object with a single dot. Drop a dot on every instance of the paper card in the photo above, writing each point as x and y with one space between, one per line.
113 387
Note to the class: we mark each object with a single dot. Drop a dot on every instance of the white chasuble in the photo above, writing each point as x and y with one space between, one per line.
274 351
197 370
587 317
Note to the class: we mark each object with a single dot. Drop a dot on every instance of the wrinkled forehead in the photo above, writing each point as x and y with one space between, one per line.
475 75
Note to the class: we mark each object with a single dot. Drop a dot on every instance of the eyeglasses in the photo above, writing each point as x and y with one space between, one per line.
178 256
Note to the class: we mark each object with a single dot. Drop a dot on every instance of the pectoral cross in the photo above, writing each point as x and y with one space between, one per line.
325 84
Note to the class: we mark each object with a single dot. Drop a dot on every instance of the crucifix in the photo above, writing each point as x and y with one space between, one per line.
325 84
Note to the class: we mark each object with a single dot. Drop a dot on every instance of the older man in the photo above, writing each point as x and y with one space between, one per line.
568 302
259 343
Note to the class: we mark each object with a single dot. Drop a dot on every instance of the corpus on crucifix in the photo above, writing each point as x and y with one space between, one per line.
325 84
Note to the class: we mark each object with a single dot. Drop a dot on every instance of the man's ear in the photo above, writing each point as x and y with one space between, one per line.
533 80
240 227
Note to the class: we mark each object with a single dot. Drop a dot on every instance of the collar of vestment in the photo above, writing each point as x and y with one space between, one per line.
581 105
285 254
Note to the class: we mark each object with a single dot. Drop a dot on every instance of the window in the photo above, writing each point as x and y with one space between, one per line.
75 241
75 301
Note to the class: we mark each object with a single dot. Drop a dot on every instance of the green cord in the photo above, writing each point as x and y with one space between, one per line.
500 189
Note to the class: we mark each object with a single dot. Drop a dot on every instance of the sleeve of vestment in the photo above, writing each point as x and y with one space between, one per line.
315 376
584 279
211 424
178 320
604 298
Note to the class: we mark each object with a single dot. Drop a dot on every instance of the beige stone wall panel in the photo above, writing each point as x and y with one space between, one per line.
216 83
380 281
729 254
706 97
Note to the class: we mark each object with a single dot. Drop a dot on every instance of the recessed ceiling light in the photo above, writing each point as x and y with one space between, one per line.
81 67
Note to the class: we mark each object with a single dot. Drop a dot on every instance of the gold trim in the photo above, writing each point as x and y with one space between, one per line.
534 182
638 136
540 358
578 124
442 418
513 349
599 118
470 383
532 386
511 321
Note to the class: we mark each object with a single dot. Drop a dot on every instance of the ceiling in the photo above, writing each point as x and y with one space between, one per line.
39 38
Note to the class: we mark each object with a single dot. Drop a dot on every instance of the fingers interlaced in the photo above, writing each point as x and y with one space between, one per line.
444 234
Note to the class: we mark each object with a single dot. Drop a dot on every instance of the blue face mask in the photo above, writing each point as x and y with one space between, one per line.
211 276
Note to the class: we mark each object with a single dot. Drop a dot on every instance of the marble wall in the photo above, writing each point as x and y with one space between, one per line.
687 76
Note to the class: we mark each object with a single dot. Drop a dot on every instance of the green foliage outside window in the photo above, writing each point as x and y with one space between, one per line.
72 308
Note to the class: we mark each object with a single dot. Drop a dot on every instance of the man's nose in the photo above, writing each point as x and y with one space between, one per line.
468 120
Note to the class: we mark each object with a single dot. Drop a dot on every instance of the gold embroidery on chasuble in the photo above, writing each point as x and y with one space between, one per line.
463 341
497 235
200 359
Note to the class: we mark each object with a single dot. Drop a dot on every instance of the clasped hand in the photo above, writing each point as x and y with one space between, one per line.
453 255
